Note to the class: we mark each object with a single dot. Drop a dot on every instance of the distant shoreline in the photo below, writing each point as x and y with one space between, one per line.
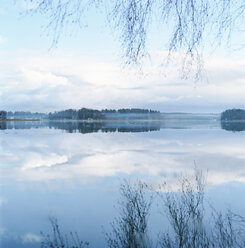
162 117
109 120
7 120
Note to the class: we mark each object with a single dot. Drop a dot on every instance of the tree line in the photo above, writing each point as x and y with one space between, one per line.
80 114
93 114
233 115
3 114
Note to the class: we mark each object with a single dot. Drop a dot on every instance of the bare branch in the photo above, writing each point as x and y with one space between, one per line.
193 24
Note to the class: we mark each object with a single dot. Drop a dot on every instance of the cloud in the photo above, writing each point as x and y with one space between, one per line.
56 81
25 239
66 158
29 5
2 231
2 201
2 39
31 238
37 160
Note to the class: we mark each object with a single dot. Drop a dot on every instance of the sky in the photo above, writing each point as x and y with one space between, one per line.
85 70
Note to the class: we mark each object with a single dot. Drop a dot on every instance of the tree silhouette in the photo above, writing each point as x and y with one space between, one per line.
191 24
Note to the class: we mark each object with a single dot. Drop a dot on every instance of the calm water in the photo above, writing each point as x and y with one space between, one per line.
72 171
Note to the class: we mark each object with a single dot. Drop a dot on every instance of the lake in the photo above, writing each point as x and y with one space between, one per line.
72 170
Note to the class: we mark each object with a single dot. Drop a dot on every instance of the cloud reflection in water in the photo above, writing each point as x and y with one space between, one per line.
40 155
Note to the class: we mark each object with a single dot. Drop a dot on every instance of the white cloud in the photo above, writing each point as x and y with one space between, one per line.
49 82
36 160
31 238
26 238
68 158
2 39
29 5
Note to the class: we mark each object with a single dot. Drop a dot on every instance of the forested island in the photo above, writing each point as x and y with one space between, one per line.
233 120
85 114
3 115
106 114
87 120
233 115
112 114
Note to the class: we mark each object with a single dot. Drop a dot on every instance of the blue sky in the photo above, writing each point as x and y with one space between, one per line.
85 70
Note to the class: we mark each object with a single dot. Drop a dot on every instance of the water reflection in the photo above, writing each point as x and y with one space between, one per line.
112 126
85 127
38 151
235 126
3 125
49 168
